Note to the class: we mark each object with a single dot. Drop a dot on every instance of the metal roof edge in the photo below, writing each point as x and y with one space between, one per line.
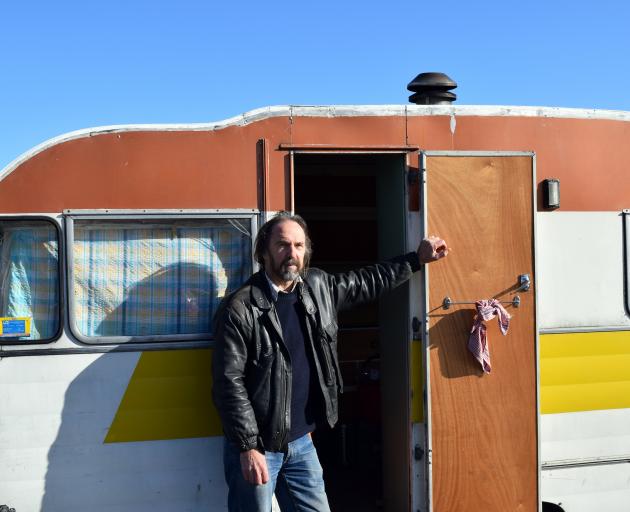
457 110
517 111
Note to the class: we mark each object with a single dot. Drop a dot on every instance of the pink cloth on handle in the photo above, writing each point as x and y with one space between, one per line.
478 341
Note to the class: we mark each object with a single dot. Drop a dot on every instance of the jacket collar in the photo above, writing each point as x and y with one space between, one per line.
262 295
260 291
275 289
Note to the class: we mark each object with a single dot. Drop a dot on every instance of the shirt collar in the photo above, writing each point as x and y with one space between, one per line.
275 289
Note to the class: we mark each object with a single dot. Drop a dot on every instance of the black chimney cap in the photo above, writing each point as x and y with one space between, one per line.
432 89
433 97
431 80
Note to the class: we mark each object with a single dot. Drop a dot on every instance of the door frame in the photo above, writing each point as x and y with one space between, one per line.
423 157
403 155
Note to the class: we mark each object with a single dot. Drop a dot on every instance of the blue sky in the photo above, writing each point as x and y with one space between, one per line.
67 65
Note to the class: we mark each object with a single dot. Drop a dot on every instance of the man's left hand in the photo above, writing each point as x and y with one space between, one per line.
431 249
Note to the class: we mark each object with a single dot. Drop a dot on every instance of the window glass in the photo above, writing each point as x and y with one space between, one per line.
151 278
29 280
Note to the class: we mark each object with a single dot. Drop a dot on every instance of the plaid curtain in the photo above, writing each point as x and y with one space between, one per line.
29 275
134 279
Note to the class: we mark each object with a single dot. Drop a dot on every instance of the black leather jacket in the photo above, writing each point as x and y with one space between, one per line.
251 364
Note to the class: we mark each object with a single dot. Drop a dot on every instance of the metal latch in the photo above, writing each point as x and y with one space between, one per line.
524 283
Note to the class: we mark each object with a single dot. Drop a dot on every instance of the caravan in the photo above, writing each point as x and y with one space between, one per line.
118 243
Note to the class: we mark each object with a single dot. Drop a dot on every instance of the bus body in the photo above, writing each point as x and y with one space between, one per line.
118 243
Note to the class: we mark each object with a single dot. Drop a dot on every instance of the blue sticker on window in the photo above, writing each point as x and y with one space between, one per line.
14 327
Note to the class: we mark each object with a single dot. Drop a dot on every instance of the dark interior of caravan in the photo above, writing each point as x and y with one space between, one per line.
354 206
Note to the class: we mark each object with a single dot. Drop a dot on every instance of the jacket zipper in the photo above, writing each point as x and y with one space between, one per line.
286 399
287 410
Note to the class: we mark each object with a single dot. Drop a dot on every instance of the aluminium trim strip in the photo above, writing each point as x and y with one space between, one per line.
536 333
571 330
594 461
162 213
106 349
625 236
426 343
333 148
464 153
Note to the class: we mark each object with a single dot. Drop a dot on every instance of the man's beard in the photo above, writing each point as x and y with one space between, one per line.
285 273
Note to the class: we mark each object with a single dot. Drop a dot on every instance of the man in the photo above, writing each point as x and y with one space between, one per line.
275 367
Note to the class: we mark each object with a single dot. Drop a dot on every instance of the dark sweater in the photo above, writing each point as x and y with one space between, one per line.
288 309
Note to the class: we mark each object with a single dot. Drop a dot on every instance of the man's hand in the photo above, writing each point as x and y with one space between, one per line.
431 249
254 467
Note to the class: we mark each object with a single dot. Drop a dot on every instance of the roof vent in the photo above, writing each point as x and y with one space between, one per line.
432 89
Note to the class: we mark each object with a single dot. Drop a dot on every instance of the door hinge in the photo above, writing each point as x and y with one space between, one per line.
413 177
416 325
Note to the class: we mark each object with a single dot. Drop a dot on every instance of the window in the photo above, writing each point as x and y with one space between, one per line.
29 280
154 279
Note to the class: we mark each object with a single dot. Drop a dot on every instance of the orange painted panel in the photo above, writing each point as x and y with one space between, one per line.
349 131
484 438
220 168
150 169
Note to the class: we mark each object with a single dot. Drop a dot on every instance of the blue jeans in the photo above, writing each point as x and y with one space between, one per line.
296 477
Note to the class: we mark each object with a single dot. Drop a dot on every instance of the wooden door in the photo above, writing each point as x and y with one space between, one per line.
483 427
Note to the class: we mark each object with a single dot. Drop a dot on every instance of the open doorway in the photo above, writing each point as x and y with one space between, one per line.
354 205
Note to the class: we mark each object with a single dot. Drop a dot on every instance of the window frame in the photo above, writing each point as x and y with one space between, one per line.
625 218
70 216
61 295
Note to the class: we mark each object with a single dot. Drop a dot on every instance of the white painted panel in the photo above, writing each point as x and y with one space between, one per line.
604 488
55 412
580 270
144 476
588 435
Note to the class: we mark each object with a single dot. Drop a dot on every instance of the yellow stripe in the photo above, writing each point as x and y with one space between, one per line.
169 394
168 397
584 371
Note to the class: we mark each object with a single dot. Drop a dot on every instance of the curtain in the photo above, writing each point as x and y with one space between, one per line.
138 279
